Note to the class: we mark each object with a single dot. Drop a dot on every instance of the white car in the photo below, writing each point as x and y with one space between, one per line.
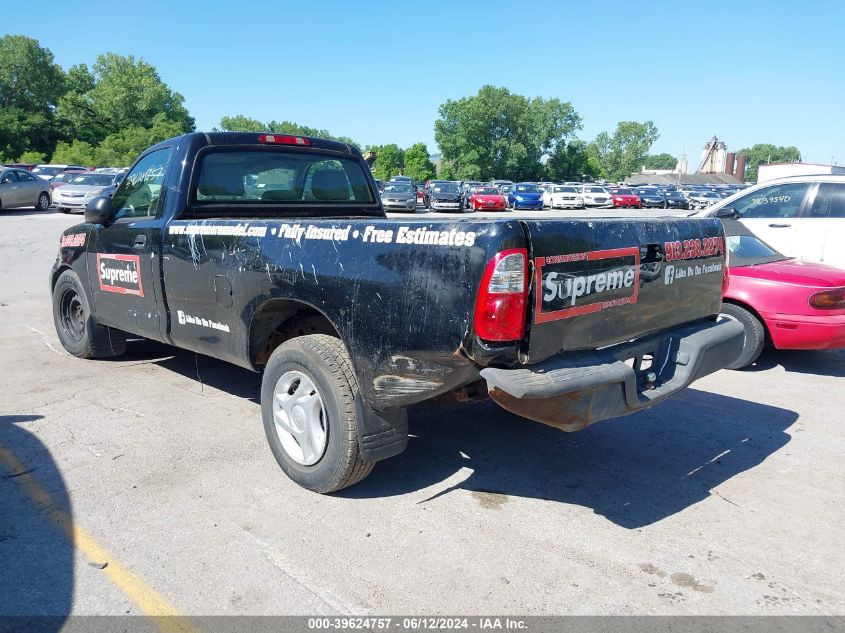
702 199
45 172
562 197
79 191
596 196
801 216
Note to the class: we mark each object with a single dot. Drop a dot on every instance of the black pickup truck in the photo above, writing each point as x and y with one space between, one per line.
273 252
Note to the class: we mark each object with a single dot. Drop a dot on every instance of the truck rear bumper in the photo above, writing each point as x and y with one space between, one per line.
576 389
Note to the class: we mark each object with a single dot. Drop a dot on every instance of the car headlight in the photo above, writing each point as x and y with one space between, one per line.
92 194
518 198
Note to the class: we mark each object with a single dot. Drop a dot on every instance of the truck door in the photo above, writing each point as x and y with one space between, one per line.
123 265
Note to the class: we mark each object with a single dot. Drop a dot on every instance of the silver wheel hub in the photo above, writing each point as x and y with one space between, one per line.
300 418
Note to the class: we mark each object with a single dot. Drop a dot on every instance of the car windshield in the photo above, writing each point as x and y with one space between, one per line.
648 192
564 190
595 190
446 188
710 194
624 192
748 250
97 180
487 191
527 189
398 189
64 177
47 171
286 176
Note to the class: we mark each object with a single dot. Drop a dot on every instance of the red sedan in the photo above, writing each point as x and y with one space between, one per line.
624 197
487 199
789 303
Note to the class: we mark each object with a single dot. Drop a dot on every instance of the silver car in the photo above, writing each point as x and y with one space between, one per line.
79 191
19 188
399 195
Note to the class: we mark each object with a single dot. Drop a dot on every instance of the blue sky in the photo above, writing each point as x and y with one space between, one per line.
376 71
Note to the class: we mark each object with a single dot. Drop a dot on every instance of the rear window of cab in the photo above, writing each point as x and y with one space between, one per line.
264 176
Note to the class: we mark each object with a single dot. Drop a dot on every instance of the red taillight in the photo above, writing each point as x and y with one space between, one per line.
833 299
283 139
500 305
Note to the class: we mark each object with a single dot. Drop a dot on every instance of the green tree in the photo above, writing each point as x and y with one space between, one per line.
762 153
74 153
417 163
447 171
497 133
35 158
389 161
241 123
30 86
660 161
622 153
572 161
123 147
121 93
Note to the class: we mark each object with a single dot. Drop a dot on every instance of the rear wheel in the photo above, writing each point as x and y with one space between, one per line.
755 334
308 395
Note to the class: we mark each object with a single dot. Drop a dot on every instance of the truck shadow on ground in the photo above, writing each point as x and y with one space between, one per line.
37 573
635 471
204 370
819 363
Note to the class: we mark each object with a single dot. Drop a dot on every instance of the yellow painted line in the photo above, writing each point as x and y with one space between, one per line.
148 601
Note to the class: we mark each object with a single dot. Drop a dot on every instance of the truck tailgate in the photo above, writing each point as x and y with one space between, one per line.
599 282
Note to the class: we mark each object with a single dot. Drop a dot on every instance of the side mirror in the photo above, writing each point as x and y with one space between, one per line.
98 210
726 213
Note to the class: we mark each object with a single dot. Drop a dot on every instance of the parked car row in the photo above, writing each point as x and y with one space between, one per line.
67 187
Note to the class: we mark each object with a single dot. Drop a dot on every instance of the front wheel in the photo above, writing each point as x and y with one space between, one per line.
76 328
755 334
308 395
43 202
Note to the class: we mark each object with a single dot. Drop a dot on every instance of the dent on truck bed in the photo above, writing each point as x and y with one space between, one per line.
399 294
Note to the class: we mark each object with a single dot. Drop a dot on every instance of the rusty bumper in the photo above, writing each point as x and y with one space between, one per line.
576 389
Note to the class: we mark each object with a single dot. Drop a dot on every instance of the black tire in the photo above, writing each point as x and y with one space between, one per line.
323 359
755 334
76 328
43 201
64 210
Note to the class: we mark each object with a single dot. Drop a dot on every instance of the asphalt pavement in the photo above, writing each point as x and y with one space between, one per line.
144 485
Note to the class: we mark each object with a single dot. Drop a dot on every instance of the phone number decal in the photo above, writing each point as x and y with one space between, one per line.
693 249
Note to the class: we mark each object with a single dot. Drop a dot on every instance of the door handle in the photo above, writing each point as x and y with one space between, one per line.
780 226
140 242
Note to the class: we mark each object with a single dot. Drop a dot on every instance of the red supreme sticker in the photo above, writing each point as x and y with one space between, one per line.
581 283
120 274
